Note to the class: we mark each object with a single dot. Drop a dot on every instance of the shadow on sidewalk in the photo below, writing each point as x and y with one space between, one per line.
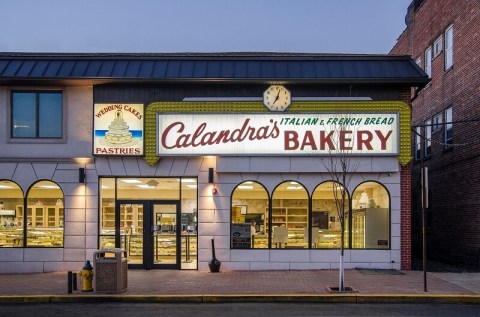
435 266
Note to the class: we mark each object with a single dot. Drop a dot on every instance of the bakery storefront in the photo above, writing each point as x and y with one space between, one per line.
166 153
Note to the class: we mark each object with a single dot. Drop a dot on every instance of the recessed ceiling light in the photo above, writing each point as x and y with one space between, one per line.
192 186
294 183
294 187
5 186
249 182
245 187
48 186
146 186
188 180
131 181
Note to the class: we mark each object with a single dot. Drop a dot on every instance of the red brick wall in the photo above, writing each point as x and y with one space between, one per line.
406 206
453 224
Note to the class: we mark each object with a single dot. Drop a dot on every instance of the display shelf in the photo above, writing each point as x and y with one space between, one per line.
291 217
11 237
329 239
43 237
42 216
260 241
130 217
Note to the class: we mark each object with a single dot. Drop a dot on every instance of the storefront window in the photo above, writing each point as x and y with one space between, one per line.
11 215
249 216
326 227
152 219
107 213
290 216
45 215
148 188
189 223
370 217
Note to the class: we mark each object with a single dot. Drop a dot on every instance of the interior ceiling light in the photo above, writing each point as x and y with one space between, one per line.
5 186
146 186
294 183
248 183
188 180
294 187
245 187
48 186
192 186
131 181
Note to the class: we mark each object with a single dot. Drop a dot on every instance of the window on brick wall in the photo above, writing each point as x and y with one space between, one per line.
448 127
418 143
428 61
437 122
428 137
438 46
449 47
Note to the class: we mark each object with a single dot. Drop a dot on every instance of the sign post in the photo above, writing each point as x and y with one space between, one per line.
424 181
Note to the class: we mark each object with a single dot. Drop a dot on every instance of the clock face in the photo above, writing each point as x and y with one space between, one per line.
277 98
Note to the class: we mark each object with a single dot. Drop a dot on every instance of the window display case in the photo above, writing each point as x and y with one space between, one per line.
11 237
370 228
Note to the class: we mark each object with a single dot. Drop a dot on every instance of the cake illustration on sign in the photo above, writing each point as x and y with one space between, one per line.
118 133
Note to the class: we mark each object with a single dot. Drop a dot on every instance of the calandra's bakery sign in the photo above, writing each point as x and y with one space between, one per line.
118 129
277 134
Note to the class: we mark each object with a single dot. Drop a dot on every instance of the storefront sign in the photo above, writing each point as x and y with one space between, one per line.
118 129
277 134
241 236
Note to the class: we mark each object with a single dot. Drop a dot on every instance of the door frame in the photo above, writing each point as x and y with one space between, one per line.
148 243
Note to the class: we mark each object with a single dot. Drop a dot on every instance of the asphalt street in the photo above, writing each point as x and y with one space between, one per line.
235 310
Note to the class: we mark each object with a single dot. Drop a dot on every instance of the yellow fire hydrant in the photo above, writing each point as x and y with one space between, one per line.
87 277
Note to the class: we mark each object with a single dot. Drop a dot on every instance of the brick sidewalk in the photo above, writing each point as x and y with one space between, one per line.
169 282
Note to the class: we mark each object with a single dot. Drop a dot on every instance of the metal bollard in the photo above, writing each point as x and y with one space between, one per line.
74 280
69 282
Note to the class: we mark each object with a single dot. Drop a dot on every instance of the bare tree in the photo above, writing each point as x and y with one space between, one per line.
341 166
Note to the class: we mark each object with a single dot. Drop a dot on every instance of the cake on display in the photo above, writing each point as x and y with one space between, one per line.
118 133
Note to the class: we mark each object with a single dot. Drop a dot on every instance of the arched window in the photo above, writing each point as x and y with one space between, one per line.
249 216
45 215
326 210
290 216
370 217
11 214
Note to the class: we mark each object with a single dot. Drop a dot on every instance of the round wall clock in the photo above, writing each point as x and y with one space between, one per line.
277 98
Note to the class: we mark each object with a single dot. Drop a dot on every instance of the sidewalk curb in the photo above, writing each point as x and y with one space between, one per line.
249 298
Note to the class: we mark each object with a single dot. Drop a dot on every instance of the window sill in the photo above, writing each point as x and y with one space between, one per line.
36 141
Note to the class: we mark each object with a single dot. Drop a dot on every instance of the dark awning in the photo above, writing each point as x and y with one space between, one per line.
196 67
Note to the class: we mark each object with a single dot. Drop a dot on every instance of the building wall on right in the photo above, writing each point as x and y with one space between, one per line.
443 37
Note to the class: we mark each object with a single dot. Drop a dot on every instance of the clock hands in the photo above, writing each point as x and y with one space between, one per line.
276 98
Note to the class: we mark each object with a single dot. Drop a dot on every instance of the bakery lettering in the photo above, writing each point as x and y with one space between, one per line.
347 140
202 138
127 108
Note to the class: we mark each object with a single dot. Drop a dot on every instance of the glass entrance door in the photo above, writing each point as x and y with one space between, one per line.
155 233
165 234
132 231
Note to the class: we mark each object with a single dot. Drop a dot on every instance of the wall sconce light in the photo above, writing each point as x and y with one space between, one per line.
210 175
212 181
81 175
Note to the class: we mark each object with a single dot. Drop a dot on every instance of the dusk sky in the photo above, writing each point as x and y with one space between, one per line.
157 26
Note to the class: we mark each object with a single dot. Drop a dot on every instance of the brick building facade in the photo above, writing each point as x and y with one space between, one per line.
443 38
